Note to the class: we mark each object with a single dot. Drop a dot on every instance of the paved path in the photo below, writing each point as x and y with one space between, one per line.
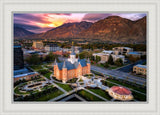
65 94
119 74
96 94
64 91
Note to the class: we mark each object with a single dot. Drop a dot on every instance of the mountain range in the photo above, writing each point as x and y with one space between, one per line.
21 32
112 28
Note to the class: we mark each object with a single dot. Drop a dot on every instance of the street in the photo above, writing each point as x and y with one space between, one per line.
119 74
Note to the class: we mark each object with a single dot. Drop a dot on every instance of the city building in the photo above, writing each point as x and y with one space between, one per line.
122 50
105 56
120 93
61 53
18 57
140 69
71 68
52 47
25 76
137 54
115 57
77 49
37 45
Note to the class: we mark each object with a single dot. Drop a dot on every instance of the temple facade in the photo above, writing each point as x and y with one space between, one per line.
71 68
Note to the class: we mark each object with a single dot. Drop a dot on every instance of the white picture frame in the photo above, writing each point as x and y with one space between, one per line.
153 49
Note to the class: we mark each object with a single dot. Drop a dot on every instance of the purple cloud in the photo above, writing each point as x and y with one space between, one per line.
93 17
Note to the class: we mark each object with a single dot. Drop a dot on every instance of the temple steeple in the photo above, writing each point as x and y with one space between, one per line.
55 62
88 61
72 55
64 64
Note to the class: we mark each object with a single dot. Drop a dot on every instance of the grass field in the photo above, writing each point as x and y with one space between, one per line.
17 91
65 86
107 83
50 96
88 96
36 67
47 75
138 96
127 85
101 93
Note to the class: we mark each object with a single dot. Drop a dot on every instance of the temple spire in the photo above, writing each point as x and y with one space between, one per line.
72 53
88 61
64 64
55 62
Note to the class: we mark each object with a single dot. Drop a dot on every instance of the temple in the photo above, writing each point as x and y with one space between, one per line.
71 68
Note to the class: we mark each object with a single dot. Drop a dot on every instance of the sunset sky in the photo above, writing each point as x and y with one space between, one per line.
41 22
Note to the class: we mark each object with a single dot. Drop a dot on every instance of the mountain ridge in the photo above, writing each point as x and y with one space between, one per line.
112 28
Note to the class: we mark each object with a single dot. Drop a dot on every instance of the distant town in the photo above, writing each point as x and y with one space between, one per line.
71 71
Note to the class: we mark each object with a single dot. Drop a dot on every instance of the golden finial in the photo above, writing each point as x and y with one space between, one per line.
72 43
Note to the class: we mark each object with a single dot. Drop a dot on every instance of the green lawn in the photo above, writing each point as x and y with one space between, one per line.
107 83
49 96
65 86
88 96
127 85
138 96
72 80
47 75
101 93
17 91
36 67
47 87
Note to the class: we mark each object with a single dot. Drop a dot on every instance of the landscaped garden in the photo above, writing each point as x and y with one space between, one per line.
138 96
107 83
47 75
88 96
44 95
100 92
72 80
65 86
36 67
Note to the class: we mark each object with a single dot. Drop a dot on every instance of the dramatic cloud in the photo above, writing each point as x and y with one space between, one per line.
95 17
41 22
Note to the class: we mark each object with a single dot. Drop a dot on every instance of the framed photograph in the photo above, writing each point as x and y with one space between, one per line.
84 57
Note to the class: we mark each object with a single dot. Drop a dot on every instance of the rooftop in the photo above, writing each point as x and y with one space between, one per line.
120 90
25 74
141 66
70 66
17 46
135 53
21 71
108 51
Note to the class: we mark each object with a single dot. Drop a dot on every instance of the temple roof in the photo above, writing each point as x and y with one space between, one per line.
70 66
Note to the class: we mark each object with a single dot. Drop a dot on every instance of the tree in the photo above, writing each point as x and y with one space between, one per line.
98 58
33 59
133 59
106 64
51 57
119 62
110 60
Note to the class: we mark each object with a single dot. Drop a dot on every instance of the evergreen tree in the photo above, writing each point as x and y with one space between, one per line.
110 60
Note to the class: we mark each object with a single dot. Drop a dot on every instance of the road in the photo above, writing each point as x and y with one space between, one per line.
129 67
119 74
